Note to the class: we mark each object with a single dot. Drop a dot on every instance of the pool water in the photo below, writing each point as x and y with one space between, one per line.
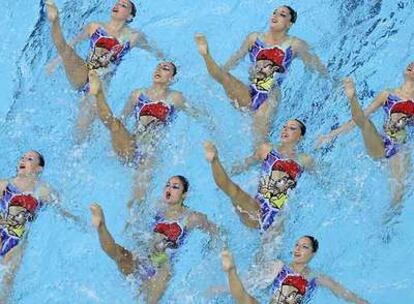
343 205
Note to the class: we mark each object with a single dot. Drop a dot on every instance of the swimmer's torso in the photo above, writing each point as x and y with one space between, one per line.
290 287
269 67
106 52
399 113
17 208
278 176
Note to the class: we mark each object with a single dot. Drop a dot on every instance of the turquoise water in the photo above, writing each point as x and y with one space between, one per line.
343 205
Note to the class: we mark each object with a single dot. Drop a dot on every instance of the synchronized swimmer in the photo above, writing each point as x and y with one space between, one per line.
153 108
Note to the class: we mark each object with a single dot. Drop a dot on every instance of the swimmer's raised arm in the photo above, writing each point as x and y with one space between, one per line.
312 61
236 286
339 290
244 49
140 40
350 92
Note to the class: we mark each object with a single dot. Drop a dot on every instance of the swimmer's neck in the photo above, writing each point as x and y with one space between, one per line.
115 26
24 182
159 88
276 36
175 210
301 268
408 88
287 149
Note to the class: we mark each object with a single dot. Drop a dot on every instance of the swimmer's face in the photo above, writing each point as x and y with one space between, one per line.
281 19
409 71
122 10
174 191
29 164
164 72
291 132
303 251
264 69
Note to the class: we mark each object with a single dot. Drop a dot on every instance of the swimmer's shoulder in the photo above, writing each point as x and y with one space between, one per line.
177 98
137 92
263 150
46 193
252 37
91 28
3 185
306 161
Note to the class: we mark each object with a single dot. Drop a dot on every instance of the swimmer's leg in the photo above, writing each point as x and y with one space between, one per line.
263 118
236 90
12 261
120 255
75 67
246 206
400 165
157 285
123 142
86 116
372 139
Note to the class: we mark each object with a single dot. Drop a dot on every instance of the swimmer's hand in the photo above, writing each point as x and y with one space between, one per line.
227 261
95 84
349 87
52 11
52 65
98 218
210 151
202 44
322 140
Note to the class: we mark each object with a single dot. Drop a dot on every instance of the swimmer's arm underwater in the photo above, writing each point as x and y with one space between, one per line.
244 49
48 195
140 40
259 155
351 93
312 61
339 290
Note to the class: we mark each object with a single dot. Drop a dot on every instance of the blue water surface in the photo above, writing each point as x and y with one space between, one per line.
343 205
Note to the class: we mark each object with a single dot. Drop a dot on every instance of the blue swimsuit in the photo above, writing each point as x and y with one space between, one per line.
279 175
105 54
16 210
399 114
173 234
271 63
291 287
156 115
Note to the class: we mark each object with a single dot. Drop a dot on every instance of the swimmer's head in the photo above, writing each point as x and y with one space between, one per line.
31 164
409 71
282 18
293 13
175 190
124 10
305 249
292 132
164 72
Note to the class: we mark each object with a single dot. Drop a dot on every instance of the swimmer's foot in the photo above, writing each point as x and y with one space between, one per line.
210 151
98 218
52 11
95 84
202 44
358 115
